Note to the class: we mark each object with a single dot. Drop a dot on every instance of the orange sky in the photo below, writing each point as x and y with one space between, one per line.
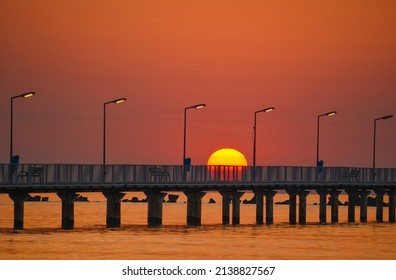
303 57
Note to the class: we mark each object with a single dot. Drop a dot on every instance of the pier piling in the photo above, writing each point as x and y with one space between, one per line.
292 206
352 198
113 209
302 207
379 199
225 206
259 194
391 195
363 205
155 200
322 205
19 205
68 199
334 205
269 206
236 207
194 207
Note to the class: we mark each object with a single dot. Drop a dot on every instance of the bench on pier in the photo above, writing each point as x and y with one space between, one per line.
159 175
351 175
31 174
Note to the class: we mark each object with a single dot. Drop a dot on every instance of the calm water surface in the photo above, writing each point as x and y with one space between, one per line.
42 237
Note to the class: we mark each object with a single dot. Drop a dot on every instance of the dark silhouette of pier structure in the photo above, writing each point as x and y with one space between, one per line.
68 181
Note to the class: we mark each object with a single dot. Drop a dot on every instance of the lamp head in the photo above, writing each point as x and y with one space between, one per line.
24 95
199 106
120 100
329 114
384 118
387 117
116 101
266 110
28 94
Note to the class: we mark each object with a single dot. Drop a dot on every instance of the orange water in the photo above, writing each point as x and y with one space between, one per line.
42 237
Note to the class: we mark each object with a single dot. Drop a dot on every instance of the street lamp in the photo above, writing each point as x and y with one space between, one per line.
116 101
24 95
329 114
198 106
375 132
266 110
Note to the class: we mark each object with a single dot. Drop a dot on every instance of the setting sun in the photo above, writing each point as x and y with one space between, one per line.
227 157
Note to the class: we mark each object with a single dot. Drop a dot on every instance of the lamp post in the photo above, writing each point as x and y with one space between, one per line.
266 110
329 114
198 106
116 101
24 95
374 142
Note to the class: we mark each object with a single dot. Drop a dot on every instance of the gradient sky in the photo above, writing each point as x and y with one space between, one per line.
303 57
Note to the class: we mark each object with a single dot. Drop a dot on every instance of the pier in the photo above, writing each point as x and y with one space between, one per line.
113 181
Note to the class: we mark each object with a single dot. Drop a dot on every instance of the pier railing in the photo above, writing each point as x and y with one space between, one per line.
168 174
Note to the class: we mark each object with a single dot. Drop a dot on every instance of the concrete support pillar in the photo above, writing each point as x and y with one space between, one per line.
352 198
292 206
194 207
236 207
334 205
302 207
379 199
322 205
155 200
113 210
19 203
363 205
269 206
259 194
68 199
225 202
391 195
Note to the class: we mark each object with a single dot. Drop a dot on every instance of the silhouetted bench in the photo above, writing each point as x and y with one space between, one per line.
158 174
31 173
351 175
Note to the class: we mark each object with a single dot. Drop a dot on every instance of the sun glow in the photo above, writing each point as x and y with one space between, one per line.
227 157
227 165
